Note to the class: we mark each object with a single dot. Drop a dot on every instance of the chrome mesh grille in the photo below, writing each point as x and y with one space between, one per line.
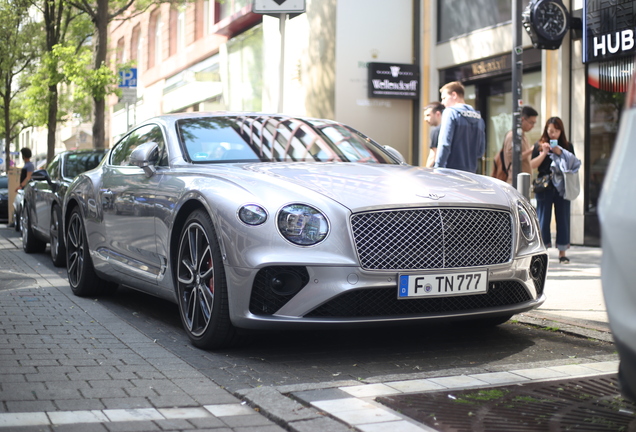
432 238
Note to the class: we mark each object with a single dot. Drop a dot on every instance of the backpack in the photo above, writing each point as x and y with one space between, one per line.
499 170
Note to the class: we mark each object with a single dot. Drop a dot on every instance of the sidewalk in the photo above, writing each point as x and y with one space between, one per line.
67 363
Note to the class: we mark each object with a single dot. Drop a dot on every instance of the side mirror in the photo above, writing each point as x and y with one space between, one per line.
145 156
396 154
41 175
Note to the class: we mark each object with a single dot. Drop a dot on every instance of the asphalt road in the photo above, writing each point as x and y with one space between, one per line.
371 354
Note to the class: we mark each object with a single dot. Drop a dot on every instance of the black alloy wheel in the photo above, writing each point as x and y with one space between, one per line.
201 285
58 251
79 265
30 243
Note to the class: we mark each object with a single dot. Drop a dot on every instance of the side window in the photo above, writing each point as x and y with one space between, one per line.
150 133
155 135
54 169
118 154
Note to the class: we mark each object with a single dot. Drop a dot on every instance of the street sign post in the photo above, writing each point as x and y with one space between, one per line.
128 86
128 78
278 6
282 9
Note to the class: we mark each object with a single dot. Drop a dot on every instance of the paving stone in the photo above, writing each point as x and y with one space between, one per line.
80 427
79 404
57 394
132 426
172 401
246 420
174 424
29 406
103 392
126 403
69 417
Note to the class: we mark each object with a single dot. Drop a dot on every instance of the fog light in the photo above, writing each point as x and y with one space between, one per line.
286 283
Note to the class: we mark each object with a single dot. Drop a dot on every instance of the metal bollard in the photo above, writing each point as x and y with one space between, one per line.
523 184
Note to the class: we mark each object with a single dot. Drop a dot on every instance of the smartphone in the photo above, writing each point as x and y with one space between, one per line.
554 143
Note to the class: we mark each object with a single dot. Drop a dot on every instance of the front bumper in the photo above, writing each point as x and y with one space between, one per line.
314 296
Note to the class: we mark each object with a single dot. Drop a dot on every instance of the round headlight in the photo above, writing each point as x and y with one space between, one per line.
252 214
525 222
302 224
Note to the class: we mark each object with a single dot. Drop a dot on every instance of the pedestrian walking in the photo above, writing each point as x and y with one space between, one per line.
433 116
549 192
462 134
528 120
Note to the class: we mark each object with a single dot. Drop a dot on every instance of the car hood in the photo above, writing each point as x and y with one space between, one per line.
363 186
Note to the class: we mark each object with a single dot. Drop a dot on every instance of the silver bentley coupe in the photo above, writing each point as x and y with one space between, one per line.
257 221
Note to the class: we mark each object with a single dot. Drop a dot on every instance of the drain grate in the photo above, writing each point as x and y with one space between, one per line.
581 404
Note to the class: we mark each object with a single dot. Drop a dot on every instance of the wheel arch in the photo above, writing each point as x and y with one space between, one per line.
186 209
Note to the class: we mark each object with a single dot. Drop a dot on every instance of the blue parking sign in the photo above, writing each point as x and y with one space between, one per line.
128 78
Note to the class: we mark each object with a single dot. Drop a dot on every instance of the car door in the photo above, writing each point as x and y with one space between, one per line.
43 194
128 198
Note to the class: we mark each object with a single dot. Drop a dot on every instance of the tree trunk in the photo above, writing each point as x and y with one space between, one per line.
52 124
7 130
101 49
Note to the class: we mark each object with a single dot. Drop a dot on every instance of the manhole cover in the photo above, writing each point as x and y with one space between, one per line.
15 282
582 404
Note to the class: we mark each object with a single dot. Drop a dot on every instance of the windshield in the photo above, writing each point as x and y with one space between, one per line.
275 139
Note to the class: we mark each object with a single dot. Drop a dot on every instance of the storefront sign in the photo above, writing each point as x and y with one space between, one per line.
393 80
608 29
495 66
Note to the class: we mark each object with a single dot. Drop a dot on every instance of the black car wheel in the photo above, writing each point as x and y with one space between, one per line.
79 265
58 251
16 220
30 243
201 285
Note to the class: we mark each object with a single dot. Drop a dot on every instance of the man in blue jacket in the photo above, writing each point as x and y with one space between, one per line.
462 134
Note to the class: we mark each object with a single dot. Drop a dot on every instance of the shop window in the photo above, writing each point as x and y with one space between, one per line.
459 17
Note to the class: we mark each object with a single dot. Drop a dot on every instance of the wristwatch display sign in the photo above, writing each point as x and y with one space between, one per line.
547 22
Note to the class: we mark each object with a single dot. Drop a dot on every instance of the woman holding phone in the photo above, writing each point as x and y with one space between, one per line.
553 140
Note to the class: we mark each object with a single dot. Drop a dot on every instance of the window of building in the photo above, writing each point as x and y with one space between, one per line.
155 31
181 29
459 17
121 51
228 8
135 45
245 63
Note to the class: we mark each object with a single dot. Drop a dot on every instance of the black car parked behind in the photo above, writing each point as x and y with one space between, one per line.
41 216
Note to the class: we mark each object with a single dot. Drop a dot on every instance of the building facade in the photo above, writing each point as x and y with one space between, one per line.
220 55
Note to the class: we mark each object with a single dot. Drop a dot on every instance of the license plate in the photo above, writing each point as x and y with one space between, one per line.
442 285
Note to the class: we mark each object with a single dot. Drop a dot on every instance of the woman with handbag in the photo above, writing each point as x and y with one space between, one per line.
553 141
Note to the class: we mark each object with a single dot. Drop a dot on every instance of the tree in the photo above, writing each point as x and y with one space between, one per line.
65 77
18 52
63 24
101 12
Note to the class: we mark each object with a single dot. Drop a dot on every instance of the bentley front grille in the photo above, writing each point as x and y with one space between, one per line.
432 238
383 302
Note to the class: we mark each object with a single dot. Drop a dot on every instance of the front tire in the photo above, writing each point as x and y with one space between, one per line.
58 250
30 243
201 285
82 278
